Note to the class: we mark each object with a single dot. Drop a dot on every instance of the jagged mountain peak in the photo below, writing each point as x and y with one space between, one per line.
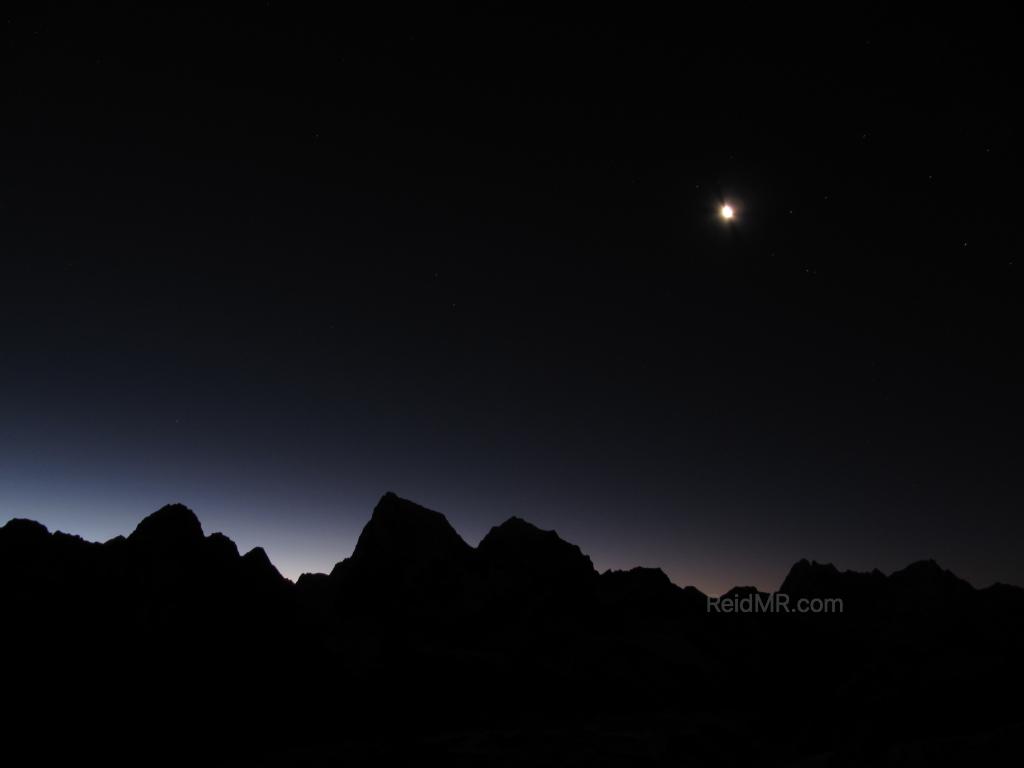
22 527
532 553
928 576
813 566
221 546
171 525
400 530
639 575
809 578
257 562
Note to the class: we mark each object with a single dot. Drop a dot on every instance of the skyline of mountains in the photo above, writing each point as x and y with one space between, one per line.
178 521
419 647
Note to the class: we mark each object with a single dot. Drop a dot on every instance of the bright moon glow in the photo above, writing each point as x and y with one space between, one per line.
727 212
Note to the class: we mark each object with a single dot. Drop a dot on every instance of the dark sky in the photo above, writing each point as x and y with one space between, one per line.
272 261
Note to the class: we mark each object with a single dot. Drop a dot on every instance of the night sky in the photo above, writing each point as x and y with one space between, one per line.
272 262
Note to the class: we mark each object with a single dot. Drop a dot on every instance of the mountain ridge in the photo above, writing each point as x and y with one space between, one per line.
419 638
397 526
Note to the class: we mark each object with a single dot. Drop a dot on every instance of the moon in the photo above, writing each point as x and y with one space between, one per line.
727 212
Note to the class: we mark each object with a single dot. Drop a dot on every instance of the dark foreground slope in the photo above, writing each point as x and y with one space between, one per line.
168 646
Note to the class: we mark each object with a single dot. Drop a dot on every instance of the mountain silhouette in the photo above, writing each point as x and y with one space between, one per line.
421 648
171 526
404 535
809 580
530 571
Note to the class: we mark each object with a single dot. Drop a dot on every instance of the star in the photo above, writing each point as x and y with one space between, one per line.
727 212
